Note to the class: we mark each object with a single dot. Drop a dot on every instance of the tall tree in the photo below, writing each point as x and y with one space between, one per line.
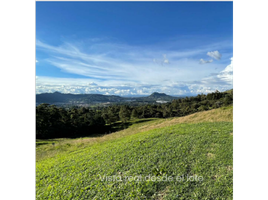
106 118
113 116
124 114
134 114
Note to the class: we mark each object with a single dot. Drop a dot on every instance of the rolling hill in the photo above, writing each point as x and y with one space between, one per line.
58 97
183 158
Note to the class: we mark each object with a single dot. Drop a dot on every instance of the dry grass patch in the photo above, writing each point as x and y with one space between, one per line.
215 177
229 168
211 155
161 195
216 115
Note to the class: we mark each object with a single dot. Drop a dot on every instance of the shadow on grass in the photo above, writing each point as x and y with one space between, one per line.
94 131
118 126
45 141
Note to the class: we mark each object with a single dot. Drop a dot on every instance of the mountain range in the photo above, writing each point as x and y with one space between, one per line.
58 97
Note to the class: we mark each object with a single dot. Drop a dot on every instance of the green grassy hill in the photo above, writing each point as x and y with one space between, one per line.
194 153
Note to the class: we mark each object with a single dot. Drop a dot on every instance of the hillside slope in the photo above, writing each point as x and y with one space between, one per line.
195 151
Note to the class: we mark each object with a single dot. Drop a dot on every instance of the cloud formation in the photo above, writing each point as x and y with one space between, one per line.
227 73
214 54
165 59
120 69
162 61
205 61
92 84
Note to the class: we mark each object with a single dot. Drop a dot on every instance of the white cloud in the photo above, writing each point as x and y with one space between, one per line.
222 81
227 73
214 54
36 61
205 61
126 70
162 61
92 84
166 61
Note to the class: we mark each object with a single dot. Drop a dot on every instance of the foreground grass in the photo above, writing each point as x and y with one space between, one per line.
202 150
50 148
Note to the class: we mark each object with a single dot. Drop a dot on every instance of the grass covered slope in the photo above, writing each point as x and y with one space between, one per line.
197 150
45 149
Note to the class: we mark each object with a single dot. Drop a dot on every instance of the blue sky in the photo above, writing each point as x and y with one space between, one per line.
134 48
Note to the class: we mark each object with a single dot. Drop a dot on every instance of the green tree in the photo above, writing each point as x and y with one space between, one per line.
202 108
165 112
228 100
159 114
143 113
194 106
106 117
97 120
170 111
113 117
134 114
124 114
42 120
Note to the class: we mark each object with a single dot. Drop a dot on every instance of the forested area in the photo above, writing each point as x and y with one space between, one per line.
56 122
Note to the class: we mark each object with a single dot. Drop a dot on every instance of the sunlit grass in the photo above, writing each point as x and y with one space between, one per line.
47 149
198 145
202 149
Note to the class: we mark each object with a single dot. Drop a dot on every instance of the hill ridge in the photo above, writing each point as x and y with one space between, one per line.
58 97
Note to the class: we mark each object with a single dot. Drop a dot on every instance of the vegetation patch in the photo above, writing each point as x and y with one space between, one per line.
175 151
60 122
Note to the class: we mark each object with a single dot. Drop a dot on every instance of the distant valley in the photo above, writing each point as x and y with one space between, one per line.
61 99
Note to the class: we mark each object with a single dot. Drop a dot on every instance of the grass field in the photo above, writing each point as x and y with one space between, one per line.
194 154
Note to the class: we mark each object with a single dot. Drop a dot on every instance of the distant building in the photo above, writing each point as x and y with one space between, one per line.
161 101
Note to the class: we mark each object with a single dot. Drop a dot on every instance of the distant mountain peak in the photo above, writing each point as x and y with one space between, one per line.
158 94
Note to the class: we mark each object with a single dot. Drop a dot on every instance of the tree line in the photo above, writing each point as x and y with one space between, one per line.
56 122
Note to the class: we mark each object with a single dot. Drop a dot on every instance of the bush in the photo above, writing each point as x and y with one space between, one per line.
203 108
